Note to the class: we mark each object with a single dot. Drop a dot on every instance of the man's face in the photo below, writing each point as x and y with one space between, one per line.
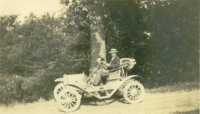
113 54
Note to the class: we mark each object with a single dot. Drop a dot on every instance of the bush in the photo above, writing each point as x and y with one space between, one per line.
9 88
38 51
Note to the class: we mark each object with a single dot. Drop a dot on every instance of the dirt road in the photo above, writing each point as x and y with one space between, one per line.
178 102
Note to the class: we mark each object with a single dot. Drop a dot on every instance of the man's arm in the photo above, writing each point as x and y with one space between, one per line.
115 63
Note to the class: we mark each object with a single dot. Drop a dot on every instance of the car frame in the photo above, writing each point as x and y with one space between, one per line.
71 88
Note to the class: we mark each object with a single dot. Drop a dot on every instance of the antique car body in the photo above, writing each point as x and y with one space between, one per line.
71 88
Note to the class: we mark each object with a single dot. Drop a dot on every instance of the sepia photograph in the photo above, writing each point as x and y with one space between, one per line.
99 57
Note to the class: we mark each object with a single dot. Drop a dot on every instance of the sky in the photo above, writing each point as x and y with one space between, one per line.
25 7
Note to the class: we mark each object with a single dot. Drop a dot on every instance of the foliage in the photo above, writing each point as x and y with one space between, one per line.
39 50
162 38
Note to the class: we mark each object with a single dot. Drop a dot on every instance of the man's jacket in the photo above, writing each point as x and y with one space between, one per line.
114 63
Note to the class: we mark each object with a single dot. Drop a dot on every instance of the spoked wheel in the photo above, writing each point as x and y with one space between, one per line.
57 90
133 92
68 99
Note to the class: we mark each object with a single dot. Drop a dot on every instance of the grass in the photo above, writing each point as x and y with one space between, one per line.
174 99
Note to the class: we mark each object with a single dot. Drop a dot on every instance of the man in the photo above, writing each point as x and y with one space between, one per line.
103 69
101 72
115 61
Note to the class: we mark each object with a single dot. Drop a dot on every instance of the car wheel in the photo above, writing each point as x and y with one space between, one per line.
68 98
133 92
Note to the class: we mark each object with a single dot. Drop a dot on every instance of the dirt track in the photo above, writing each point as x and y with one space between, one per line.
179 102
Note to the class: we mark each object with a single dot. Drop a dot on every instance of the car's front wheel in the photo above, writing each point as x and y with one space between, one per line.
133 91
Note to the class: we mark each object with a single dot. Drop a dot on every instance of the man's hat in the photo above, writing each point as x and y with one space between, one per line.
113 50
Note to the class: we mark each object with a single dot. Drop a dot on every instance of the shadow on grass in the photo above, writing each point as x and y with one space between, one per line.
97 102
196 111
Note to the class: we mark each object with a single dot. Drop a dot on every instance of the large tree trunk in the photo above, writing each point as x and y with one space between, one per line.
97 42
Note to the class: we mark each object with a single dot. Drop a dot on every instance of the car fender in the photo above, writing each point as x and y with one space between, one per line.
59 80
131 77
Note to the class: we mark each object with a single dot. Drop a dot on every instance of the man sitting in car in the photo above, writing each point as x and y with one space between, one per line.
103 68
114 62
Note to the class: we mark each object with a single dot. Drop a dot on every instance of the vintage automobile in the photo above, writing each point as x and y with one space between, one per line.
71 88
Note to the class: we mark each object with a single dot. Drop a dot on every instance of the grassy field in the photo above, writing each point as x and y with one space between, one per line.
164 100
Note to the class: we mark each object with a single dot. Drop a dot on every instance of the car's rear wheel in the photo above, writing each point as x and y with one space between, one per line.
133 91
68 98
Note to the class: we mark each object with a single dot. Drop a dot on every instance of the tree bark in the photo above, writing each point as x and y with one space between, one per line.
97 43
